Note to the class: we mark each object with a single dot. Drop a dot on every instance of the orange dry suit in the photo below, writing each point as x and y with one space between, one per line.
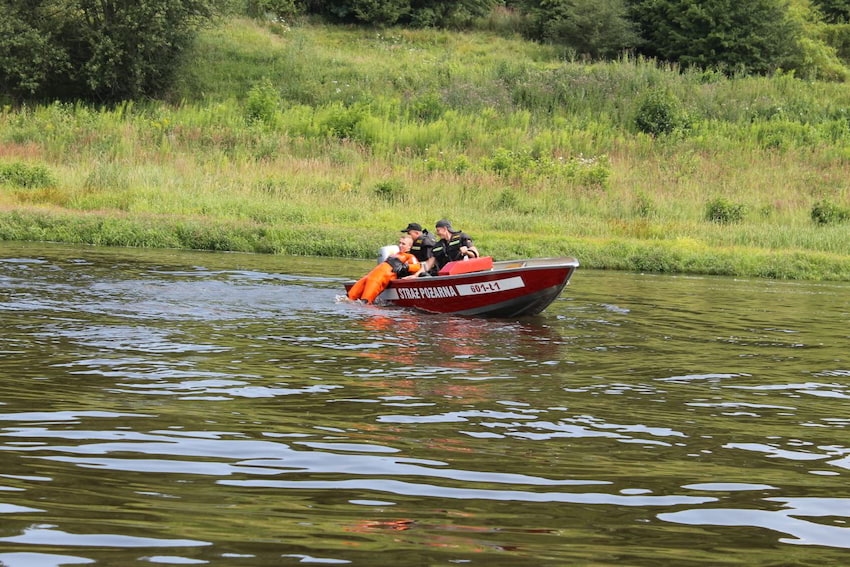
372 284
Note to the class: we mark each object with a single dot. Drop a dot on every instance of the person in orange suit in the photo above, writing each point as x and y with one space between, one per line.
372 284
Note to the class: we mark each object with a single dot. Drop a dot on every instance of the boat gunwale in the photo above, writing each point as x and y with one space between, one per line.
500 267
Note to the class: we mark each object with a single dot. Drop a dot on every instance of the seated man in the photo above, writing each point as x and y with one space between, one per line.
423 243
372 284
453 245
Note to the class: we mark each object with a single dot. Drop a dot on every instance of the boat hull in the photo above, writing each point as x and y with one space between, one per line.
512 288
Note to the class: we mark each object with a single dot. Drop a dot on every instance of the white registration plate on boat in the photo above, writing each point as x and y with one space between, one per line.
490 287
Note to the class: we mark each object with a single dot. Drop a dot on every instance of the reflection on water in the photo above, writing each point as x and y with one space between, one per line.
188 408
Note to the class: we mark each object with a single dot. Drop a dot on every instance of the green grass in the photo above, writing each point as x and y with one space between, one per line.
326 140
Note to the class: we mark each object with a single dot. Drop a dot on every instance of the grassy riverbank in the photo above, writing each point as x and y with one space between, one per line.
323 140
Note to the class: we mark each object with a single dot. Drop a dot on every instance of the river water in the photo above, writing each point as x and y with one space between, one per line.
179 408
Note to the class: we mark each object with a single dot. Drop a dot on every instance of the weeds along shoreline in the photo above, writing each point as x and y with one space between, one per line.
321 140
665 257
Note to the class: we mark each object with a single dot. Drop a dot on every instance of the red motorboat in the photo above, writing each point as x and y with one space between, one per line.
509 288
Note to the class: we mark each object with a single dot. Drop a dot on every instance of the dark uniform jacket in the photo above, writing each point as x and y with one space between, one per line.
423 247
447 251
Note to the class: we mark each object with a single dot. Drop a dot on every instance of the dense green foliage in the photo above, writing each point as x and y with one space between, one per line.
29 54
660 112
752 36
94 49
24 175
417 13
827 212
280 10
724 211
834 11
595 28
758 36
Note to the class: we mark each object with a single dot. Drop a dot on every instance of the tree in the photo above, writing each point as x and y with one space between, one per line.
815 57
95 49
598 28
448 14
834 11
749 36
30 55
419 13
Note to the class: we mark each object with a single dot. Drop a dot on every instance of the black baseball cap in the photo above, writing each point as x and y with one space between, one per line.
413 226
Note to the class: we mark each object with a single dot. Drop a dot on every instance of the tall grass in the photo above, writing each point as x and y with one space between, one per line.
326 140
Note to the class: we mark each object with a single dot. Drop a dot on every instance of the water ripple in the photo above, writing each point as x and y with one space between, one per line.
434 491
48 535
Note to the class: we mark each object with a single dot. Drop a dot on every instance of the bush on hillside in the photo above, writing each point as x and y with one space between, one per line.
391 191
659 113
379 12
427 107
262 103
341 121
827 212
18 174
723 211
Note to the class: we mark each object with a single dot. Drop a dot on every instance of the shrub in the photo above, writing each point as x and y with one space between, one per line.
281 10
826 212
592 172
659 113
341 121
723 211
427 107
391 191
380 12
459 164
19 174
263 102
507 162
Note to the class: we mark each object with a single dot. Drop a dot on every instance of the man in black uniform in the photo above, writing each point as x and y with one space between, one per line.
423 243
453 245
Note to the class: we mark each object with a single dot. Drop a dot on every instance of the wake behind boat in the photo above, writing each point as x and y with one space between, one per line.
509 288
